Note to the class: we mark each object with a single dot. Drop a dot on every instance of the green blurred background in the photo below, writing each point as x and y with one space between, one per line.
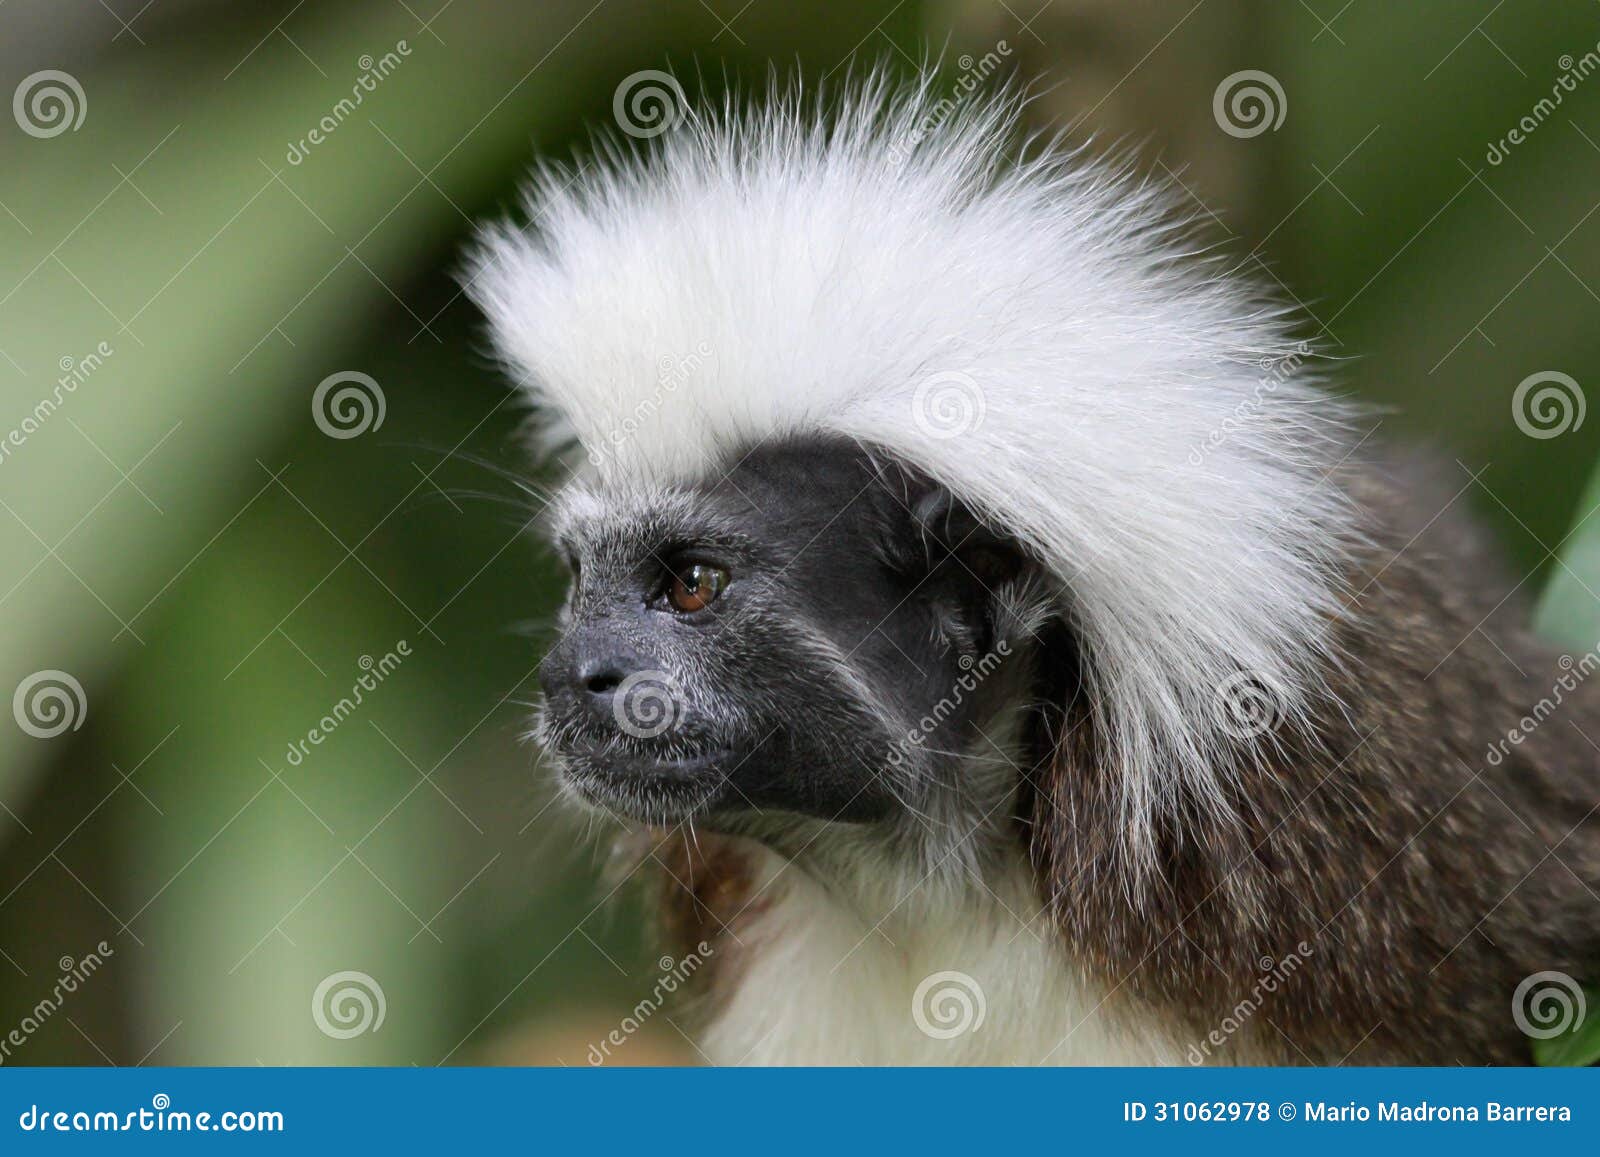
179 535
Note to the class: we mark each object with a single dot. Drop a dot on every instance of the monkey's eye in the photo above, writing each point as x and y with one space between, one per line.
696 587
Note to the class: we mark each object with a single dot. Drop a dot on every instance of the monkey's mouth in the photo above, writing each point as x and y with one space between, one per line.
655 787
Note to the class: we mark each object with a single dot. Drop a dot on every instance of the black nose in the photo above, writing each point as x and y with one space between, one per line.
588 676
598 676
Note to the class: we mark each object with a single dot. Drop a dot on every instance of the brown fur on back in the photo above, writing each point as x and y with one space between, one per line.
1427 881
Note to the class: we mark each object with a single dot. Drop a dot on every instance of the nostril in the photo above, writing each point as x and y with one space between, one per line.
602 682
600 675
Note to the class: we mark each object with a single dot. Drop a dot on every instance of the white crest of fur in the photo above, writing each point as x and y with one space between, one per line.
840 273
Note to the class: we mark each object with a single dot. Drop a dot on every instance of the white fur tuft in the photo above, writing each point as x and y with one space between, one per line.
1030 333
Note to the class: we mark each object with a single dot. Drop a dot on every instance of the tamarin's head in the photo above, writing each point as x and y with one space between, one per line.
879 435
803 629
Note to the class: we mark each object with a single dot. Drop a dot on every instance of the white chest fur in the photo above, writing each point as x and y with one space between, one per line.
941 976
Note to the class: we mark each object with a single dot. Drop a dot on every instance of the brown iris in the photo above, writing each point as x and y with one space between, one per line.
696 587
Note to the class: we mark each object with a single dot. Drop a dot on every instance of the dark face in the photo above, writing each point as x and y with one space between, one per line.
810 634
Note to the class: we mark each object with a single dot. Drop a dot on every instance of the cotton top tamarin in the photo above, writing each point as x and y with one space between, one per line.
1009 649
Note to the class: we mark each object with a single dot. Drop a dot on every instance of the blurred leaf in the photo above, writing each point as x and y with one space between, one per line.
1448 268
1578 1046
179 535
1569 611
192 285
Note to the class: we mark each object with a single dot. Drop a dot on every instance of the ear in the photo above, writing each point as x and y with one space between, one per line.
1072 820
946 530
1074 816
1068 803
963 566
